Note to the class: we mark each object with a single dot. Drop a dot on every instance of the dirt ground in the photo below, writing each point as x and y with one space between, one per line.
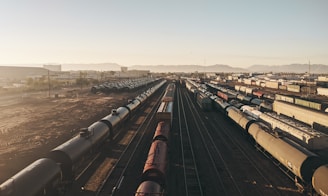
31 124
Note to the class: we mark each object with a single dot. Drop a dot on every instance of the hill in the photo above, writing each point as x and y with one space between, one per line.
187 68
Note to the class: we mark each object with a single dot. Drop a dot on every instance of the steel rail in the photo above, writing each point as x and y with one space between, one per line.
186 146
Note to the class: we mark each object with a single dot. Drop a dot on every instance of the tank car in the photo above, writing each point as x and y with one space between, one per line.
70 153
247 99
155 166
116 118
241 119
142 98
162 131
221 105
122 113
133 105
236 104
256 101
148 188
39 178
234 114
320 180
295 158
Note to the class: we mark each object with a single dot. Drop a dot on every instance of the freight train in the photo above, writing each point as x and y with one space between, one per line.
303 164
305 167
50 175
154 172
258 98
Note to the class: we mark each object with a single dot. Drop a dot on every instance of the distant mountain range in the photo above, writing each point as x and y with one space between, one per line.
296 68
187 68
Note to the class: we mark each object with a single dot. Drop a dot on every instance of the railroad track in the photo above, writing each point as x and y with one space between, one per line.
192 184
226 183
107 168
228 158
118 180
273 181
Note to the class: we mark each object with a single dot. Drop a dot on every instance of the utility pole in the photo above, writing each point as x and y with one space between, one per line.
309 78
48 83
309 70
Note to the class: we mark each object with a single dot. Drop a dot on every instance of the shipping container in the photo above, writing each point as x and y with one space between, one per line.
269 96
272 84
294 88
240 97
248 81
322 91
249 90
309 104
262 84
242 89
237 87
284 98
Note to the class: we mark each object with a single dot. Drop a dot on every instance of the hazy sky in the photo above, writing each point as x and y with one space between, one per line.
237 33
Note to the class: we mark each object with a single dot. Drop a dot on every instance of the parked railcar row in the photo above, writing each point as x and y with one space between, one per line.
153 179
251 98
298 160
124 85
291 99
307 168
317 120
50 175
306 135
288 86
300 133
302 102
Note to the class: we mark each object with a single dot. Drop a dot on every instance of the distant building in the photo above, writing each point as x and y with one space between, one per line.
18 73
52 67
132 74
124 69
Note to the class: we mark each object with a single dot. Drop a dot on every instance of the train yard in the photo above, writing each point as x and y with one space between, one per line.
173 141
